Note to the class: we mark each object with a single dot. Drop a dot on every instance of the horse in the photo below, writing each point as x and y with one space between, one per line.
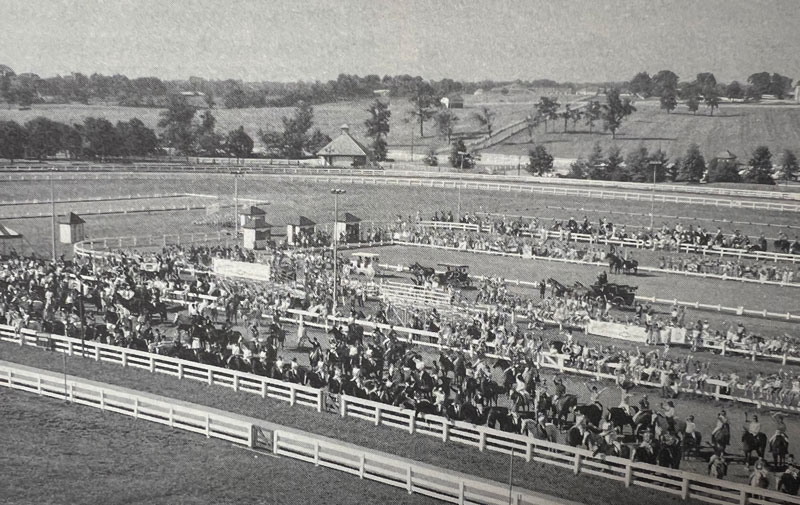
721 439
630 266
614 263
779 449
563 407
782 245
489 390
420 273
752 443
540 431
574 438
789 483
692 443
619 418
592 412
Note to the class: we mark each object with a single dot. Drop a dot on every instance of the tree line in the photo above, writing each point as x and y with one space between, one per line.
99 138
641 165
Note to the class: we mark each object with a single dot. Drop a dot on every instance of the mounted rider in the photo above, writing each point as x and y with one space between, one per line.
722 420
780 429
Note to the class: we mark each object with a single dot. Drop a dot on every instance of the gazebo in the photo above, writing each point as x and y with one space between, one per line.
9 237
343 151
347 227
70 228
303 226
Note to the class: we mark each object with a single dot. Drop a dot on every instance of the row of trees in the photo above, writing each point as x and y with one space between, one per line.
705 89
98 138
640 165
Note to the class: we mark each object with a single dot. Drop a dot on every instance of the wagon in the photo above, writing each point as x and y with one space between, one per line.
455 275
620 295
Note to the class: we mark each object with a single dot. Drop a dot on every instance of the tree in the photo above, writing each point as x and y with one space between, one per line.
460 157
669 100
176 121
637 166
578 169
664 80
723 171
236 98
693 165
540 161
760 83
596 164
377 125
642 84
44 137
136 138
734 90
317 141
711 99
100 138
705 81
424 102
759 169
531 123
779 85
445 123
295 139
660 161
13 138
485 118
575 115
789 166
613 163
238 143
692 103
546 110
209 142
615 110
72 141
593 113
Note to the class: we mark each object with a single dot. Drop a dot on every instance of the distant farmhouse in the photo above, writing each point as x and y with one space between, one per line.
453 101
195 99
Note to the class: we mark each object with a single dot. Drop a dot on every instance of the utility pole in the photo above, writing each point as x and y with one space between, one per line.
53 210
336 192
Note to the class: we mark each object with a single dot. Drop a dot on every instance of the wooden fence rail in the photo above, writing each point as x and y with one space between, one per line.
685 484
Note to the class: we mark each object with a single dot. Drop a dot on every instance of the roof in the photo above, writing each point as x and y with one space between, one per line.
343 145
71 218
349 218
255 211
8 233
725 155
455 96
304 222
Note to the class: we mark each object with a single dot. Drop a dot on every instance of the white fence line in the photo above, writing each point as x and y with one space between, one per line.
409 475
579 460
392 170
697 305
685 484
196 420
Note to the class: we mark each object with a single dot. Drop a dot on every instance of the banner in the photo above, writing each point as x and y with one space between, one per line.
617 330
632 333
253 271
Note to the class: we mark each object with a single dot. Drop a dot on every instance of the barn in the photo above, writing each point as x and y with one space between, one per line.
343 151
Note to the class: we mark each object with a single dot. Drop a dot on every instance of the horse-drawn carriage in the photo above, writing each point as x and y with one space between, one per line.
454 275
620 295
365 263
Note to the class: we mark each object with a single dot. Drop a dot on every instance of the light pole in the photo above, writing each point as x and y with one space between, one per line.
462 154
336 192
53 210
236 174
655 165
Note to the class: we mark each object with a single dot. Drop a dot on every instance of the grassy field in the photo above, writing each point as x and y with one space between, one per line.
738 128
535 476
61 453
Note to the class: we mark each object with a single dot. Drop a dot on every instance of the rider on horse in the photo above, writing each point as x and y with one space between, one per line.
780 428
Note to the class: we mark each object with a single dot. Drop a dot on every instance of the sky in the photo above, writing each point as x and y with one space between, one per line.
287 40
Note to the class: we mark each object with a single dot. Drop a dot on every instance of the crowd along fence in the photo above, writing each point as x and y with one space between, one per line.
411 476
687 485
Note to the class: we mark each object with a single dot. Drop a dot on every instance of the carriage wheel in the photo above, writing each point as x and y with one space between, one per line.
618 301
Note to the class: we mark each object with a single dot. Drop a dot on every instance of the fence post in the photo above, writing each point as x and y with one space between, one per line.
97 353
629 475
362 463
408 480
482 441
210 377
252 436
136 407
377 416
292 395
576 468
235 382
412 423
208 425
102 400
343 406
445 431
461 492
320 400
180 370
263 388
529 452
39 384
742 497
69 348
71 390
171 417
152 364
685 488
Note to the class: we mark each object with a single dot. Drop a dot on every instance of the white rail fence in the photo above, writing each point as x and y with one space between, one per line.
637 244
684 484
409 475
397 170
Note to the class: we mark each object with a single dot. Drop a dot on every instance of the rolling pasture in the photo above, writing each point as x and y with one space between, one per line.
738 128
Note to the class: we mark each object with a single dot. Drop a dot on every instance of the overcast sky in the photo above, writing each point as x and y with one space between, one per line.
578 40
